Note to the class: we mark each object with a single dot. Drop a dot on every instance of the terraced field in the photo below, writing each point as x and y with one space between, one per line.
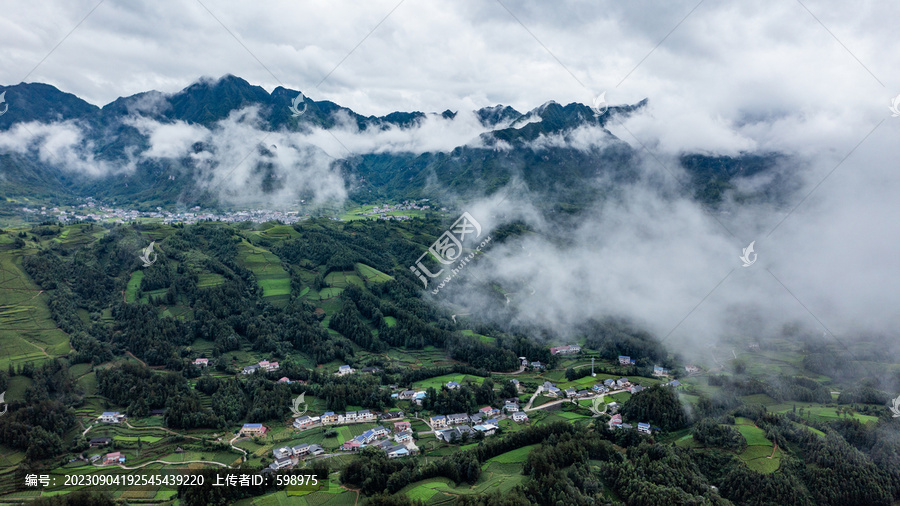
27 334
271 277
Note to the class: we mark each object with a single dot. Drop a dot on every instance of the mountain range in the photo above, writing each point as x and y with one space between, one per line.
56 147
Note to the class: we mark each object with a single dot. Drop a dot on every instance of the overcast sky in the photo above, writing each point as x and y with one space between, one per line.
761 60
813 80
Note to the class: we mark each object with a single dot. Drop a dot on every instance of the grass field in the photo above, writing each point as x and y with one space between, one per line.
271 277
133 284
27 333
371 274
439 381
517 456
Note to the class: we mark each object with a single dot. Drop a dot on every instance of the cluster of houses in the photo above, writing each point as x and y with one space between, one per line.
452 428
551 390
286 455
332 418
263 365
398 446
481 420
570 349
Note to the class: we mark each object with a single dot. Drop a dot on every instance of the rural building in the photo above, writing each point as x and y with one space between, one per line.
281 463
565 350
403 436
438 421
99 441
407 394
201 362
402 426
660 371
511 407
644 427
282 452
488 429
300 449
250 369
520 417
329 417
457 418
452 385
113 458
625 360
397 451
344 370
111 417
571 392
265 365
253 429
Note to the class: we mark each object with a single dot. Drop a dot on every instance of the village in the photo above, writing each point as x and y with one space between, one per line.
395 435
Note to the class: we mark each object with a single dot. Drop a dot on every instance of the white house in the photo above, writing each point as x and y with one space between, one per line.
344 370
644 427
111 417
282 452
511 407
281 463
520 416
